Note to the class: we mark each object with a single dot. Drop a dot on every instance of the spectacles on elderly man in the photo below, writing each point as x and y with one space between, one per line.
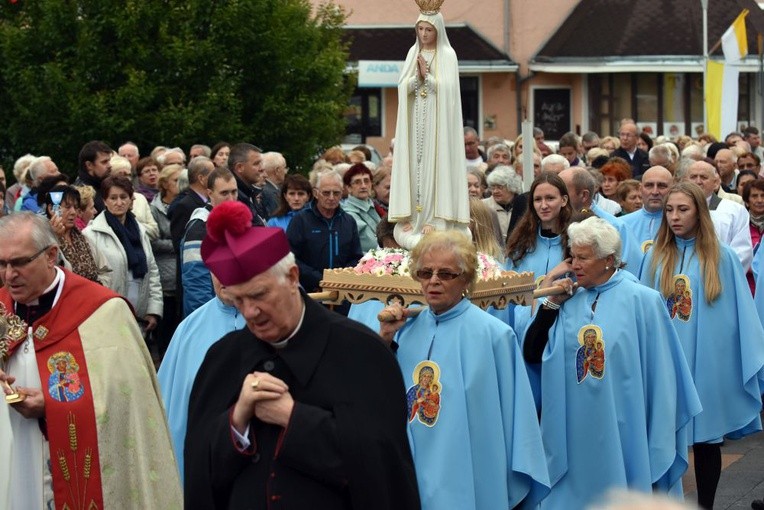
328 194
20 262
426 274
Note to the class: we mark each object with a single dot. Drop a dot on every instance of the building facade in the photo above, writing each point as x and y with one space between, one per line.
561 63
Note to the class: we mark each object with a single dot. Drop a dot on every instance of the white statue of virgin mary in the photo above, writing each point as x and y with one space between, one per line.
428 187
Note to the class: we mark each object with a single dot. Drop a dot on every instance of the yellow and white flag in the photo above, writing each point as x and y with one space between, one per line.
735 40
722 80
721 98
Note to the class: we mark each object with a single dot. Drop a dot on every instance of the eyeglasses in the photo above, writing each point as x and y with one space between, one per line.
356 182
20 262
328 194
500 187
426 274
748 166
626 135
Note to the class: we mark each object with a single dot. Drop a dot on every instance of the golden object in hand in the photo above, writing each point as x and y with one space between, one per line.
14 397
255 384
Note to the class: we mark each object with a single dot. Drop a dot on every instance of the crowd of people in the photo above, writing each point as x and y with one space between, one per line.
200 264
688 218
650 245
159 347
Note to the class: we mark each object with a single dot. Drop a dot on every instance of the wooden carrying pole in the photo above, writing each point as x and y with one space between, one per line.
413 311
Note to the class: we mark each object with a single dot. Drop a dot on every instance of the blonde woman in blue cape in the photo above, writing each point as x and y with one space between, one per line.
472 425
704 289
616 391
427 187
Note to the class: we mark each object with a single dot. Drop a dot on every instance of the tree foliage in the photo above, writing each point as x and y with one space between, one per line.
170 72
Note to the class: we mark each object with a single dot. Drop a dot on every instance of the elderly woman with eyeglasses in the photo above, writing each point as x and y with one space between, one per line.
360 205
614 400
472 424
147 170
506 199
82 256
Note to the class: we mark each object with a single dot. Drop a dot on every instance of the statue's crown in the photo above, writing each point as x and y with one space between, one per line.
429 7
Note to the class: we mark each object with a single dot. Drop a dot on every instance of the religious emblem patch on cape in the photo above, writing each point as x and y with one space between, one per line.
423 397
679 302
64 381
590 357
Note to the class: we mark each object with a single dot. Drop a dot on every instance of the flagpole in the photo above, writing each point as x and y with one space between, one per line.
704 5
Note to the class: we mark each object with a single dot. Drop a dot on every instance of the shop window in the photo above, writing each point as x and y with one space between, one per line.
364 115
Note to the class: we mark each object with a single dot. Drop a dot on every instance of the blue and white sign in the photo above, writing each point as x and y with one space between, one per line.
379 73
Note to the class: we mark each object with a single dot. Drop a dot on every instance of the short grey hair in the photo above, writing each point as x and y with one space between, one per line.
41 232
183 183
130 144
280 269
206 151
119 163
37 167
272 160
503 175
582 179
333 174
693 151
554 159
662 151
498 147
591 137
162 157
198 167
682 168
599 234
471 131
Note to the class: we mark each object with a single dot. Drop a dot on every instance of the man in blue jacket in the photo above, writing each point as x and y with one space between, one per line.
323 236
197 285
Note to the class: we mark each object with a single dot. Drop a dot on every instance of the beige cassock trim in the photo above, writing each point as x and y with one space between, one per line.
138 468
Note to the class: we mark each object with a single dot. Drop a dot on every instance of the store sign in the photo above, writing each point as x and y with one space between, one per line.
379 73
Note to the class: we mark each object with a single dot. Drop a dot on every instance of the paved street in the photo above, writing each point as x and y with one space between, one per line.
742 474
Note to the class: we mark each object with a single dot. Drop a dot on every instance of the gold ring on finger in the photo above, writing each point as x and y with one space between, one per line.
255 384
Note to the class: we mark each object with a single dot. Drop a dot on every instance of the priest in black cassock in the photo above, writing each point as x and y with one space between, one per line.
303 408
